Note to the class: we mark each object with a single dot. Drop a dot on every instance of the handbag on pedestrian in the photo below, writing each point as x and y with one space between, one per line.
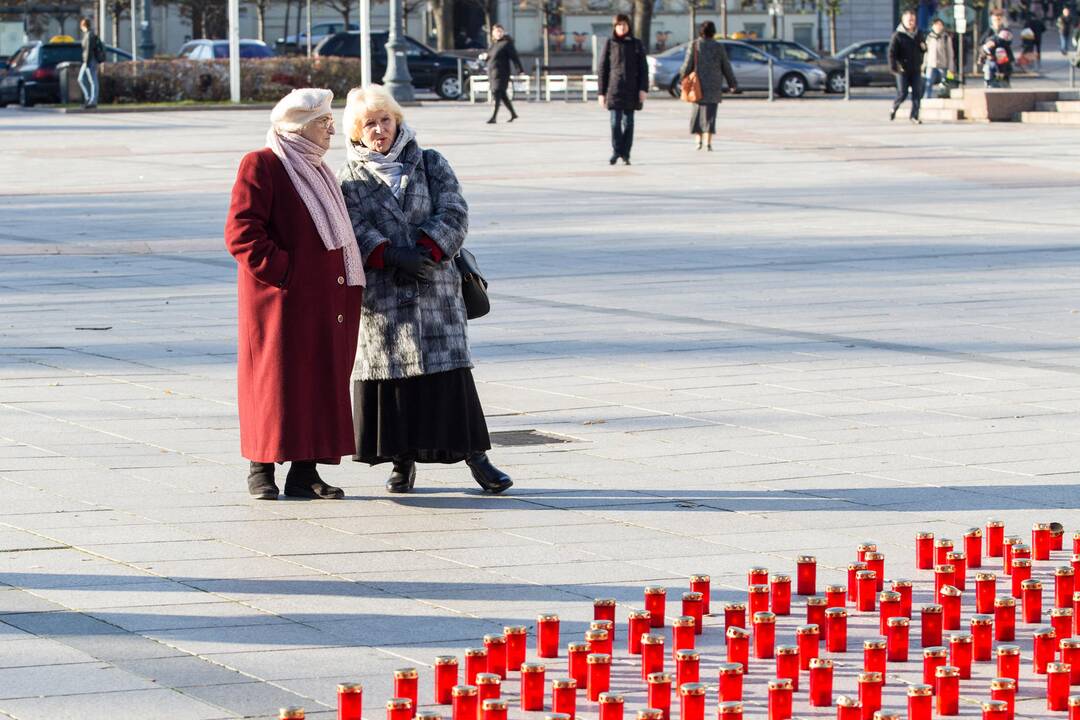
691 84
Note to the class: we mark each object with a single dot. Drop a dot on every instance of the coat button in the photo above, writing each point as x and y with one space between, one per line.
340 280
341 318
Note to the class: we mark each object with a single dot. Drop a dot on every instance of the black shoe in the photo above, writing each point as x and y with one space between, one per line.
626 160
892 114
261 481
402 478
491 121
916 121
613 159
303 481
709 148
513 118
487 476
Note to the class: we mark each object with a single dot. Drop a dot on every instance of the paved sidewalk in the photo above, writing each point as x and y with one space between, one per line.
832 329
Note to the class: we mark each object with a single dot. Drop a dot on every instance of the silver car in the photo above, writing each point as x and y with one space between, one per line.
751 67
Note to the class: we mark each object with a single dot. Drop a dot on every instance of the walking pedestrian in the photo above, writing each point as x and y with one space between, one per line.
709 60
93 54
1065 25
1037 27
299 286
995 51
414 396
906 51
940 59
499 58
623 85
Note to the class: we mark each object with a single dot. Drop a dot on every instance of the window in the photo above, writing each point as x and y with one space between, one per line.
55 54
221 50
796 53
414 49
742 53
865 53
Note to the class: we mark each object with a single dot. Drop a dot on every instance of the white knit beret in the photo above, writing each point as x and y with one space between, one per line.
300 107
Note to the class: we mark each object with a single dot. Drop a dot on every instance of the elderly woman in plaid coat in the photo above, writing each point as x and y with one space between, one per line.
414 399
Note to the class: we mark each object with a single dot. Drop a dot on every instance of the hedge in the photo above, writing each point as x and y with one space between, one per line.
261 80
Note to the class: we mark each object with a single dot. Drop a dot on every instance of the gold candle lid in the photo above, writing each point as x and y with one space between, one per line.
932 609
1021 563
1004 601
463 690
781 684
786 650
603 602
757 589
856 566
1031 585
683 621
985 577
885 715
734 606
639 615
605 625
476 652
687 655
804 559
889 596
780 578
610 697
947 671
817 601
692 596
955 555
1039 527
737 632
950 591
919 690
547 618
1044 631
764 617
1056 527
870 677
935 651
700 579
488 679
821 663
995 523
866 575
692 689
655 590
836 588
924 534
660 677
650 714
532 668
898 622
874 644
836 612
558 716
1064 570
973 532
901 584
1057 667
731 707
406 674
446 660
867 546
1021 549
982 619
943 542
494 704
398 704
811 629
291 713
428 715
563 683
758 570
875 556
1070 644
598 659
1061 612
995 706
350 688
1074 701
944 568
651 639
1002 684
596 635
494 639
577 647
848 702
731 669
961 638
1008 649
515 630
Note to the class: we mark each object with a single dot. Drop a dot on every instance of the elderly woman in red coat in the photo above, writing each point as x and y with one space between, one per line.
300 285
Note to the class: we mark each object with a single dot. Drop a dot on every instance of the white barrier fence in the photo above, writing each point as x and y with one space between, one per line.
525 85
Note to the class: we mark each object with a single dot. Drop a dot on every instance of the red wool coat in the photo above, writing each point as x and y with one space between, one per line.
299 322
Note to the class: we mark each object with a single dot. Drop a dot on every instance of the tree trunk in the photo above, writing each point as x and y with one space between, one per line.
643 21
545 32
444 24
299 18
288 16
832 33
260 13
693 18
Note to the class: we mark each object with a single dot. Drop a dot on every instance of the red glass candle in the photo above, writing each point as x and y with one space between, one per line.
764 635
898 639
875 562
836 622
757 576
1004 618
516 640
496 654
1004 689
446 675
942 547
731 710
787 664
1057 685
731 682
652 655
407 685
611 706
493 709
532 687
1070 655
815 611
1006 562
1044 649
985 591
350 701
848 708
577 665
757 599
682 634
821 682
920 702
836 596
638 624
944 575
888 607
1074 707
655 601
464 704
904 590
399 709
599 638
604 609
866 581
488 687
780 594
1008 662
995 710
948 690
475 663
687 667
780 699
564 696
599 675
1057 536
1076 542
1076 613
692 701
650 714
853 570
1040 541
960 653
868 546
875 652
291 713
547 636
659 693
924 550
808 640
870 687
1061 619
1021 573
973 538
693 606
806 575
738 646
734 615
995 538
703 584
1020 550
959 562
1031 600
933 658
931 625
950 599
982 638
1064 577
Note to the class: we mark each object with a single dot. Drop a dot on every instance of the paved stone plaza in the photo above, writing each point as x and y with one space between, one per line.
832 329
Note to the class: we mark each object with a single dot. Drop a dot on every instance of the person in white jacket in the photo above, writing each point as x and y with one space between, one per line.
940 58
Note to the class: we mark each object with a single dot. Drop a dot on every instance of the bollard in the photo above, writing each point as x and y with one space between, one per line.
772 89
847 78
538 69
461 78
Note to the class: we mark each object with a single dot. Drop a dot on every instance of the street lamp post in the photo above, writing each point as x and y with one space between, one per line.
146 43
397 79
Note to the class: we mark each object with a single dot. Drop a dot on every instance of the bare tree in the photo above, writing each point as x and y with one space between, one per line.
261 8
443 11
343 7
831 8
118 10
488 7
643 13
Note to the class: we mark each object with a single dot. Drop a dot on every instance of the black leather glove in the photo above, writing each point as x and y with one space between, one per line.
413 263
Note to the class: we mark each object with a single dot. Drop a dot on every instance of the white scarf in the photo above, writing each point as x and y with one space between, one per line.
385 167
321 193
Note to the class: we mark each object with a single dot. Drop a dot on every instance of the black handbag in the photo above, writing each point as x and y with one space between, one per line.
473 285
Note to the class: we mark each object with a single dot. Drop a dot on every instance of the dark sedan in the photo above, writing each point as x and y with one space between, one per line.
796 52
869 62
32 77
429 69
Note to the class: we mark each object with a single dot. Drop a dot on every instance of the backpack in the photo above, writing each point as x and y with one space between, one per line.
99 50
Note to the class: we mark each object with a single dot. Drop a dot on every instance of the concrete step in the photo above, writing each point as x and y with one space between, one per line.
1051 118
942 114
1058 106
948 103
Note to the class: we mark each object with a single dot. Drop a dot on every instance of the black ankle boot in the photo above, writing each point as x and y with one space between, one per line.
487 476
402 478
261 481
303 481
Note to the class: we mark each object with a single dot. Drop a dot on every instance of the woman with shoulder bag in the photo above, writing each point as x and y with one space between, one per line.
623 84
709 60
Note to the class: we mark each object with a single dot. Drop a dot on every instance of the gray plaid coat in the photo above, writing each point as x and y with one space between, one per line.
413 328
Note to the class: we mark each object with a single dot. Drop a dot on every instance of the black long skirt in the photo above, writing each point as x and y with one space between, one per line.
703 119
430 418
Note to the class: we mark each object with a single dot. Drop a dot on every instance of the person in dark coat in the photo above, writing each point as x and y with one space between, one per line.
499 58
996 53
300 287
93 54
623 84
414 396
709 59
906 51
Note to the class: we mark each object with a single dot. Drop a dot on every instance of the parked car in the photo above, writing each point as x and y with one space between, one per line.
297 42
869 62
796 52
31 76
429 69
751 66
219 49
